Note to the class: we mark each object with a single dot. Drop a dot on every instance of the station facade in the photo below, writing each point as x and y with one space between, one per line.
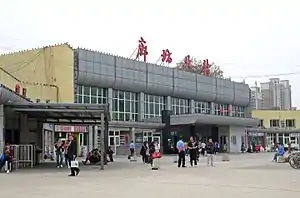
137 92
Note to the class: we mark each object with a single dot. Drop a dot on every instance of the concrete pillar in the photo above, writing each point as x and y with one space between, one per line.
192 106
90 140
132 134
110 100
24 130
2 127
212 108
141 109
169 103
96 137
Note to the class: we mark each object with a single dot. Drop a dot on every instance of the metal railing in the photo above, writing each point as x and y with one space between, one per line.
23 156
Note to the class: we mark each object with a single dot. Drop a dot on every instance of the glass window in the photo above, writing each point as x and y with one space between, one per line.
86 99
79 99
86 90
94 91
127 95
153 105
94 100
91 95
202 107
127 106
124 103
79 89
121 95
180 106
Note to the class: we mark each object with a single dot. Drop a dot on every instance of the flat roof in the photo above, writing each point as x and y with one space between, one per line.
62 112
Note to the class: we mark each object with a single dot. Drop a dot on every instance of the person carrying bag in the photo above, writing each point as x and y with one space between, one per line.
156 155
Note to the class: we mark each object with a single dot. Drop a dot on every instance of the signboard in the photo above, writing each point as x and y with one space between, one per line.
256 134
295 135
71 129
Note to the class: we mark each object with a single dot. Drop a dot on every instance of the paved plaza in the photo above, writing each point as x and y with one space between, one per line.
248 175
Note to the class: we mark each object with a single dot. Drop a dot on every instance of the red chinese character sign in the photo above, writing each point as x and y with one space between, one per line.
206 67
142 49
165 57
187 61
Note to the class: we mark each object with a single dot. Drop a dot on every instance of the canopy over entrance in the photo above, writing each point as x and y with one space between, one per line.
62 112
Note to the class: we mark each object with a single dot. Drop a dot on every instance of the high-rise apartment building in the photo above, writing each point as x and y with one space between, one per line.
256 97
274 94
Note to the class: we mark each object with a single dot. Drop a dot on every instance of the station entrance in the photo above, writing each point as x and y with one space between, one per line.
26 121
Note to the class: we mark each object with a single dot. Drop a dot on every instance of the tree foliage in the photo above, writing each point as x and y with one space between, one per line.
197 66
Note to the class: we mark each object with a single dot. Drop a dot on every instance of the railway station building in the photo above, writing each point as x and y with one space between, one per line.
137 93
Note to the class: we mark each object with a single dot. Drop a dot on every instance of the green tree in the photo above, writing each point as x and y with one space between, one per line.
196 66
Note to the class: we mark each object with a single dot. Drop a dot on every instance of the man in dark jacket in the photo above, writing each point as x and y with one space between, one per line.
72 154
210 149
193 147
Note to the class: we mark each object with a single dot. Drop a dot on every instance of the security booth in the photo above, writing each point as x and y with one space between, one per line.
31 116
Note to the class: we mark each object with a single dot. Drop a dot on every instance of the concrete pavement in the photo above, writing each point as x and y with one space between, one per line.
249 175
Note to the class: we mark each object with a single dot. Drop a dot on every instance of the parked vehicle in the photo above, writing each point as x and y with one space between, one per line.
294 160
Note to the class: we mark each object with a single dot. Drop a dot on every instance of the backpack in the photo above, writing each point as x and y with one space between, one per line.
143 150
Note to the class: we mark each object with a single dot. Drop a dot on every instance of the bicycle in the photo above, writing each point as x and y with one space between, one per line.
295 161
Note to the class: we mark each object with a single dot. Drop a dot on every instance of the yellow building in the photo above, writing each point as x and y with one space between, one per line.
278 118
279 126
43 74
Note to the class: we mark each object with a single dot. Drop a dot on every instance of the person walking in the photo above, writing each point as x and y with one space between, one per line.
210 148
193 147
72 154
181 153
156 156
59 146
143 152
6 158
132 148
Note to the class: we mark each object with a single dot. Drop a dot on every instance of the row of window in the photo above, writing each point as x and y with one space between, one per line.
287 123
125 105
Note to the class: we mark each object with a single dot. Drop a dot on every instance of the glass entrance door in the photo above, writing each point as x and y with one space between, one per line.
114 140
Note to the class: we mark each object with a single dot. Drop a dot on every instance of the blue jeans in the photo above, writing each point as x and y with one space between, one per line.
275 156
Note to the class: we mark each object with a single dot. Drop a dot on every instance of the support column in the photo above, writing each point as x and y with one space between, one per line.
96 137
102 146
169 103
212 108
110 100
132 134
141 109
91 143
2 125
192 106
24 130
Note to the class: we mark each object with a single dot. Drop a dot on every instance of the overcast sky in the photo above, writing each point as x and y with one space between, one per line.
246 38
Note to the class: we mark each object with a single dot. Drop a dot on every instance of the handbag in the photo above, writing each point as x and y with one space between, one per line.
74 164
156 155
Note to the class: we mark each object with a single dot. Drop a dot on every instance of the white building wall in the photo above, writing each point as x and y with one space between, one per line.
236 134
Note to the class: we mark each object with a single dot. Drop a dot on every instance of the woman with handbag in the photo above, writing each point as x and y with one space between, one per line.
155 156
72 154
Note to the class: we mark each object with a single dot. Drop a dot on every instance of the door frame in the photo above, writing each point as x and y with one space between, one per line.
116 139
